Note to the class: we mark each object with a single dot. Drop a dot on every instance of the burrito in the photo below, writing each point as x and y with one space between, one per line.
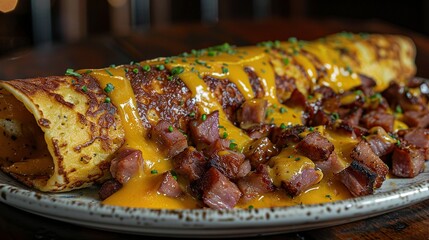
213 116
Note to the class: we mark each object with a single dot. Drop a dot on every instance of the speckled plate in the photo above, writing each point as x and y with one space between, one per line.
82 208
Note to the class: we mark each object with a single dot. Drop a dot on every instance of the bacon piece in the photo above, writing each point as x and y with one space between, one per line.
190 163
301 181
204 131
169 185
252 112
260 151
407 162
169 138
364 154
418 137
282 137
332 165
231 164
378 118
315 146
108 188
218 192
297 99
358 178
260 131
380 142
416 119
125 164
256 183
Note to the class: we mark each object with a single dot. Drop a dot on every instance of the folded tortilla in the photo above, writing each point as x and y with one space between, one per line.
60 132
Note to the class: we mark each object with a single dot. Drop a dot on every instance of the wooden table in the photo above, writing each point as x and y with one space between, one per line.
409 223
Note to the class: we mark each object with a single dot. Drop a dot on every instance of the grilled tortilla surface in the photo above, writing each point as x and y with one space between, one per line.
60 132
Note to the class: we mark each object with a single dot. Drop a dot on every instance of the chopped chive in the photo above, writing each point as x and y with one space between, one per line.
192 114
358 92
71 72
285 61
107 100
170 128
398 109
310 97
108 72
297 159
335 116
146 68
88 71
220 126
136 70
282 126
211 53
293 40
290 156
224 135
112 65
283 110
160 67
311 129
154 171
328 196
250 207
84 88
204 117
177 70
174 174
225 69
232 145
109 88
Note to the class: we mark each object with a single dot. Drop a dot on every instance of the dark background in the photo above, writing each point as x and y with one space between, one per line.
35 23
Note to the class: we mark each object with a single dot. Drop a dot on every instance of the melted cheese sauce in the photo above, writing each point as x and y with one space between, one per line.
141 190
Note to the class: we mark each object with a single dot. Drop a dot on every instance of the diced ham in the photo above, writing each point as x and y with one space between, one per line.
230 163
358 178
301 181
353 117
378 118
170 138
400 96
364 154
169 185
218 192
218 145
380 142
416 119
256 183
252 112
190 163
204 130
315 146
108 188
260 151
407 162
325 91
316 116
125 164
367 82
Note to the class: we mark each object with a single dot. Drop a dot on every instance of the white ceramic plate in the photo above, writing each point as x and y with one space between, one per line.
82 207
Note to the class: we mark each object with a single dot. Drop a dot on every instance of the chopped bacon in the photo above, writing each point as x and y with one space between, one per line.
260 151
169 138
417 119
332 165
252 112
297 99
407 162
218 192
260 131
204 131
315 146
282 137
418 137
190 163
380 142
256 183
109 188
358 178
169 185
301 181
364 154
230 163
378 118
125 164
